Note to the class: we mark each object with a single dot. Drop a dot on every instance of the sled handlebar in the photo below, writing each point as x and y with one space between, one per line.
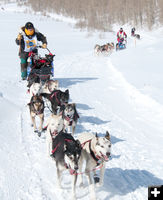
39 46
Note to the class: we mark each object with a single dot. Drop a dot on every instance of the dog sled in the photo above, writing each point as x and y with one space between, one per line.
40 69
121 44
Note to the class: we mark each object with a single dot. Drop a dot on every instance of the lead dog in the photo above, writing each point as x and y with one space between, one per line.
70 117
95 151
48 87
36 108
66 152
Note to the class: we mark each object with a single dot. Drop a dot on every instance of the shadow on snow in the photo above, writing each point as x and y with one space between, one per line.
93 120
66 82
121 182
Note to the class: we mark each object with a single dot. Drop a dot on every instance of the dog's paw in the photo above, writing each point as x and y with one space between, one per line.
39 133
59 187
81 185
73 197
99 184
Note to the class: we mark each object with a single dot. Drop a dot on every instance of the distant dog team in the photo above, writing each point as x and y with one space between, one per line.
104 49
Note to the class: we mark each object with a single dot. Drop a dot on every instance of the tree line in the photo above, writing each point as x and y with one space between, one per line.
102 14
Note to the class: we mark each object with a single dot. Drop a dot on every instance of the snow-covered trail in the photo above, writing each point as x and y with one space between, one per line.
105 101
111 103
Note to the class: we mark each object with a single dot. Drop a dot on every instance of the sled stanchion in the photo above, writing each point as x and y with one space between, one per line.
48 50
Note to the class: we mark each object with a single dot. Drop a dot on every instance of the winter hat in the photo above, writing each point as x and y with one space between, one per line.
29 25
29 29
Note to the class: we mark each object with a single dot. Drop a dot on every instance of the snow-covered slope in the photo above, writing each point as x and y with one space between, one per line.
121 93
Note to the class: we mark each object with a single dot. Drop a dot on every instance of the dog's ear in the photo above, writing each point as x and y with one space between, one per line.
96 135
73 105
79 147
107 136
67 91
78 142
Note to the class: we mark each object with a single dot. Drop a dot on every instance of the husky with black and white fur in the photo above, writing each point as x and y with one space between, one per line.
70 117
95 152
66 153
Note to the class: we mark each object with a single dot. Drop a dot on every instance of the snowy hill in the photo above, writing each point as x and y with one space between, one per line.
121 93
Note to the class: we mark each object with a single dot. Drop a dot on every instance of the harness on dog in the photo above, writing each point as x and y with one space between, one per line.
54 150
37 112
93 154
65 164
82 145
55 95
72 118
69 119
104 47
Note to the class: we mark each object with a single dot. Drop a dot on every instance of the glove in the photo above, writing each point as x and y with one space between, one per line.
19 36
44 46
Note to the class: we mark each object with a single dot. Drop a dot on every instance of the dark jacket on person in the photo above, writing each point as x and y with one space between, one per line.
39 36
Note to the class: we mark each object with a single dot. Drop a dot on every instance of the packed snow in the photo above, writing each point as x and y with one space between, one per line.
121 93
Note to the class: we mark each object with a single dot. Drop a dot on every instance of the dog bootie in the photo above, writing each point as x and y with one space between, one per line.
96 179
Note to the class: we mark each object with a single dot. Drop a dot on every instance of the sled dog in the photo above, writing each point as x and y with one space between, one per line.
36 108
57 99
70 117
48 87
34 89
66 153
137 36
104 49
54 126
95 152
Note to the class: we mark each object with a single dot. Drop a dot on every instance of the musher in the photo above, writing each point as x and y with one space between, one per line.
27 39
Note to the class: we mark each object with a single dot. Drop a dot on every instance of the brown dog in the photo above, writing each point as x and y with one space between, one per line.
105 49
36 108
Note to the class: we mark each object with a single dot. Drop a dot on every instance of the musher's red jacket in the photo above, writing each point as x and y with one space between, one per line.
121 35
